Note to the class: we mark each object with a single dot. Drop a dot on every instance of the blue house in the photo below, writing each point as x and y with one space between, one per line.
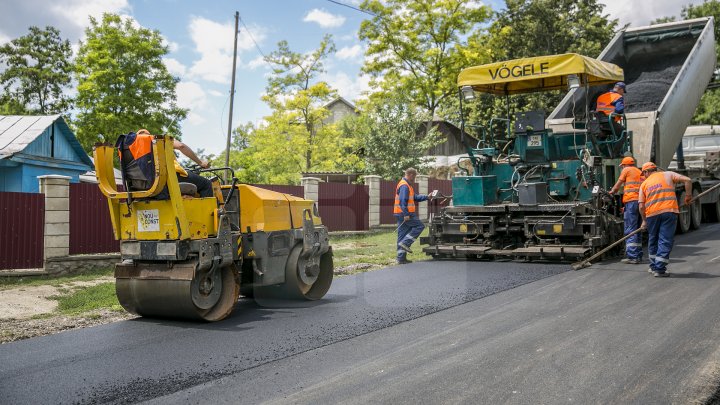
36 145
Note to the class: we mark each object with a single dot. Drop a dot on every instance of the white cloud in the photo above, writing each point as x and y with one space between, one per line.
191 95
175 67
640 13
256 63
68 16
324 19
4 39
215 93
172 46
350 88
350 52
214 42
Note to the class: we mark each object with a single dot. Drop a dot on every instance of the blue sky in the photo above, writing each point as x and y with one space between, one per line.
199 34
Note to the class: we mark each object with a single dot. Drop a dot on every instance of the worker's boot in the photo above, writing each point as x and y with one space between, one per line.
404 247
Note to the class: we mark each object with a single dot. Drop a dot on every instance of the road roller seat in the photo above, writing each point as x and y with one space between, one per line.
188 189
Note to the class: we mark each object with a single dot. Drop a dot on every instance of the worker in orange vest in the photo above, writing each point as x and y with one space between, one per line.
659 210
405 211
140 146
613 102
631 177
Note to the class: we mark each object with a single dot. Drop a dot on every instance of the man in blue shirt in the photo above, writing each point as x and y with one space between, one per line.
406 213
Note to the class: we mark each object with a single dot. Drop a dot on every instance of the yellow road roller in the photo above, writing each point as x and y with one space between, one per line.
189 257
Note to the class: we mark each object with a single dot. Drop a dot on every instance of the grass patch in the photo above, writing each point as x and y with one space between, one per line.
377 249
86 299
12 282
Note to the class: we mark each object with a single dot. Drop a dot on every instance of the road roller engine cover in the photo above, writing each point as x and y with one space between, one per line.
189 257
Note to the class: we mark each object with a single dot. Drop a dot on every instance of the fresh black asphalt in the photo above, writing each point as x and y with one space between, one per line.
141 359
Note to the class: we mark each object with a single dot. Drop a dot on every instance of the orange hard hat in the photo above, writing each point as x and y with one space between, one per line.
627 161
649 166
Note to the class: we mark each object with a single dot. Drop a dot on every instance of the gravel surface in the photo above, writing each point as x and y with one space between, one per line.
25 328
649 78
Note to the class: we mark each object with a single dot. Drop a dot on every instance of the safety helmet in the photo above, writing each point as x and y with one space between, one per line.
627 161
648 166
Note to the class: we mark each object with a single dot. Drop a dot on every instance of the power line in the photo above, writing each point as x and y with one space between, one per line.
253 39
354 8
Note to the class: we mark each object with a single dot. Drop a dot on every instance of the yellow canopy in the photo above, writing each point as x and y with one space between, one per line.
538 74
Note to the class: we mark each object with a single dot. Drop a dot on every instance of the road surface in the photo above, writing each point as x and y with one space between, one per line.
422 333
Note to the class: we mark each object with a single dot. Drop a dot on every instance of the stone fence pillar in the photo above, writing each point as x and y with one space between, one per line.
422 181
57 215
373 183
311 186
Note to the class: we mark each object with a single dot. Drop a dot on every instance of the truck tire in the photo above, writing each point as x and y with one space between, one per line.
711 211
695 211
685 217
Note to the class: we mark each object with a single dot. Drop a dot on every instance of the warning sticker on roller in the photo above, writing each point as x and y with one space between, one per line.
148 220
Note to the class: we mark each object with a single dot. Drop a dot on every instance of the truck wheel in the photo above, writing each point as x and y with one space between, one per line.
685 218
695 212
712 211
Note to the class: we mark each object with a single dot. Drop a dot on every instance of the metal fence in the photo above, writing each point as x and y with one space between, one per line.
90 227
297 191
344 207
22 219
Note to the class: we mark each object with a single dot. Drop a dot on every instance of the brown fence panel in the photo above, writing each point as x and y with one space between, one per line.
22 219
90 227
297 191
344 207
387 200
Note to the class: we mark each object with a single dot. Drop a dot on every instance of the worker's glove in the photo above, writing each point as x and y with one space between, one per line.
688 199
433 194
406 218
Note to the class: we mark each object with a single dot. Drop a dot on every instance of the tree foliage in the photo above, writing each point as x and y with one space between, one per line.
123 83
392 136
418 47
297 136
708 112
38 72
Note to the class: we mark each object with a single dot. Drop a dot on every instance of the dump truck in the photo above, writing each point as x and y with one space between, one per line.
538 191
667 70
189 257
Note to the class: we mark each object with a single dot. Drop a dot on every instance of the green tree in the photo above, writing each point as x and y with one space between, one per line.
418 47
708 112
296 136
123 84
38 70
392 136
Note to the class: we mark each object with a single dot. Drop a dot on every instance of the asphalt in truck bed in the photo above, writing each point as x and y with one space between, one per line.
429 332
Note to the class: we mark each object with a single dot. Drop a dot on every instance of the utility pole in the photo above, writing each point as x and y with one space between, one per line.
232 97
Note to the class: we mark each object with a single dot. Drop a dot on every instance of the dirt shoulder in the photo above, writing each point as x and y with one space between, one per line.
30 311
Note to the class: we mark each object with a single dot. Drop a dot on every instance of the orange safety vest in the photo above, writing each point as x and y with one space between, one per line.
659 195
411 198
605 104
633 180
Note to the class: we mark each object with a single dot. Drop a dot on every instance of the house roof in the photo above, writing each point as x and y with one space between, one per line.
340 100
19 131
